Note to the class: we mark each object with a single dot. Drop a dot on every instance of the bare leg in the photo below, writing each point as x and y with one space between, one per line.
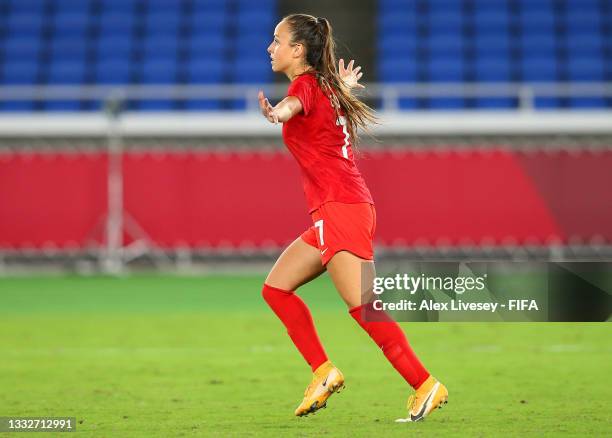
345 270
297 265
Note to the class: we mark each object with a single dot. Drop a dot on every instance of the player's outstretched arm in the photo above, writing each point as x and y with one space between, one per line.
283 111
350 75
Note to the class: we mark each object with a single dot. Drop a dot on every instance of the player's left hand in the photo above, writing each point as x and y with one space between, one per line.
267 109
350 75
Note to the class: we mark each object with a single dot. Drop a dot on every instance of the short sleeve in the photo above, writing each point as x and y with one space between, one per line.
303 89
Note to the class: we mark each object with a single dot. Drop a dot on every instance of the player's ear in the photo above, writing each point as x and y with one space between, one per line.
298 50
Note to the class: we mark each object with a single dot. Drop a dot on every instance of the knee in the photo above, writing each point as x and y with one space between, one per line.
270 293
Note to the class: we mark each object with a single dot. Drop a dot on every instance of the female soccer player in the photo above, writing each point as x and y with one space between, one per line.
320 118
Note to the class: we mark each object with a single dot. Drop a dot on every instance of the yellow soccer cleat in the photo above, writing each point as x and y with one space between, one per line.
430 395
326 380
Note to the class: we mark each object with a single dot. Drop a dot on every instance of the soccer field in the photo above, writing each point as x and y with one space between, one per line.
196 356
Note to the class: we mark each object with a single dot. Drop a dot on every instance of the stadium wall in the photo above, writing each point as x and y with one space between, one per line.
218 199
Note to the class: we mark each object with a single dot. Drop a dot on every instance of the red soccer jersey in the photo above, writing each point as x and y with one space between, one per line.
321 145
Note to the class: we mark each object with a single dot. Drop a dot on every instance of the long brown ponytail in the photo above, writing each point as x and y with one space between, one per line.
316 36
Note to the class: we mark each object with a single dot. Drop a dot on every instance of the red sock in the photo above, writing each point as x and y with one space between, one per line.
294 313
392 341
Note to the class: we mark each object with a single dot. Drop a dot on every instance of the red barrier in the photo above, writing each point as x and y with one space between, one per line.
220 199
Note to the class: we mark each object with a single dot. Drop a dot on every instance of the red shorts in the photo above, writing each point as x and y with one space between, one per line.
342 227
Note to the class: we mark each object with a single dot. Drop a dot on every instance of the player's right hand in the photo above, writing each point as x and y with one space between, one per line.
267 109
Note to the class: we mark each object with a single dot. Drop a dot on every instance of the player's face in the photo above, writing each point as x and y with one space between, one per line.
283 53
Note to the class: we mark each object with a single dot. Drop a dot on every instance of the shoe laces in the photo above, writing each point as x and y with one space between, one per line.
412 401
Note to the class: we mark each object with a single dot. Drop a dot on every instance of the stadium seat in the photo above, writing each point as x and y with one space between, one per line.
24 24
72 6
115 23
114 46
22 48
539 69
68 48
493 69
205 71
208 23
397 22
113 71
586 69
396 69
29 6
20 72
159 70
446 69
207 45
253 70
541 44
75 24
391 45
66 72
446 44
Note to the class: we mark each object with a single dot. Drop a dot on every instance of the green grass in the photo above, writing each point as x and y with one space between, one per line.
166 356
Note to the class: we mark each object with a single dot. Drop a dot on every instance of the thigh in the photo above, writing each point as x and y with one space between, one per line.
352 277
297 265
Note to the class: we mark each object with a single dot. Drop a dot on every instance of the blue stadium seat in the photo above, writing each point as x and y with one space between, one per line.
579 21
208 23
211 5
398 69
161 45
249 5
22 48
445 21
496 103
71 23
537 21
249 44
205 71
207 45
159 70
535 6
589 69
493 69
585 44
394 45
73 5
446 103
203 105
68 48
125 6
588 103
583 5
492 43
162 22
66 72
452 6
540 69
113 71
259 20
29 6
446 43
533 45
491 20
22 72
252 70
25 24
397 22
114 46
16 105
113 23
169 6
446 69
